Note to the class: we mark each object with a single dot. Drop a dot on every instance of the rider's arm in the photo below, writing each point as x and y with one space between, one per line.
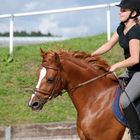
107 46
134 46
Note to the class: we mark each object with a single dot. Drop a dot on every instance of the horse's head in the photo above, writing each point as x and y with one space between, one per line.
49 80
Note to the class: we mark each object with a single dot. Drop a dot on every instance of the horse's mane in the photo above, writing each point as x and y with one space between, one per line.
93 61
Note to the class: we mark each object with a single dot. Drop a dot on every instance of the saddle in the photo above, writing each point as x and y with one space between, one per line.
116 108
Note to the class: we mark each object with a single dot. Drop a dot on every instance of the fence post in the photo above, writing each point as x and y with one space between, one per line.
108 22
11 35
8 133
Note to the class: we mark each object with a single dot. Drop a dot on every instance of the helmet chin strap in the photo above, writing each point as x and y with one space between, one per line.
131 17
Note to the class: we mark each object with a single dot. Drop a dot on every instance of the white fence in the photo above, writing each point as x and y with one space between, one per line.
13 16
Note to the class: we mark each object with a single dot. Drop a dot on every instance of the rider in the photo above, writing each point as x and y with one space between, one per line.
128 36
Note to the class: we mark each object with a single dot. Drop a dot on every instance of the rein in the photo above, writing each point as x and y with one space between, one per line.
89 81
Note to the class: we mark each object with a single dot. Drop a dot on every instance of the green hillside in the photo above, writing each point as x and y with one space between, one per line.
19 75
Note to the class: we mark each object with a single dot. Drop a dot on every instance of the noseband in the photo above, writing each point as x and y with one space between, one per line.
49 94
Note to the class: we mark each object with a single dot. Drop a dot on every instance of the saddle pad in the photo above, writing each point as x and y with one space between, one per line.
116 108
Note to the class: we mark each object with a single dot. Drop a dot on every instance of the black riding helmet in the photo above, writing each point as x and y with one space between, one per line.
133 5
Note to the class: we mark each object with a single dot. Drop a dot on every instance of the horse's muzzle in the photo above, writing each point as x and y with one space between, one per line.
35 105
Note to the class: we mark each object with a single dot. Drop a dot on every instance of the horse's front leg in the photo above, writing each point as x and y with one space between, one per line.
80 132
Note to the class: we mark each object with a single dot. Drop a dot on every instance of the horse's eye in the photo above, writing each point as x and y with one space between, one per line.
50 80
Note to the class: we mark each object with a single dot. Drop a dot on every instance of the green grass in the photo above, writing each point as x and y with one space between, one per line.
20 74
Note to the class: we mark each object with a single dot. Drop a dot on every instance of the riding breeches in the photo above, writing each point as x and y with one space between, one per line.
132 91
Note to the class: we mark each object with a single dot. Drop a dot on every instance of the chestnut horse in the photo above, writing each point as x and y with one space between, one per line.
90 87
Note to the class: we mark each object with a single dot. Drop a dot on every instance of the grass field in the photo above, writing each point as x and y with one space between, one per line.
20 74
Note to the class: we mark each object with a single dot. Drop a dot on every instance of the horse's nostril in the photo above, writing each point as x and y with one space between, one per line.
35 105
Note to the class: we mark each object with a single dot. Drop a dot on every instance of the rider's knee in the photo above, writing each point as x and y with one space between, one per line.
124 101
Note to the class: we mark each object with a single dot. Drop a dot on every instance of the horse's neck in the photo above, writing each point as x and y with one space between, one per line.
86 94
75 74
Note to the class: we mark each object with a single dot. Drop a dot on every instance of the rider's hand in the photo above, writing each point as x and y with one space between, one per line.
113 68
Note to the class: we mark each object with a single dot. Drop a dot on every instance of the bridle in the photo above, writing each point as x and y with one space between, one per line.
52 94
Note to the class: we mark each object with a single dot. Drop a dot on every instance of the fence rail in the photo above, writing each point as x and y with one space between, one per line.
57 11
50 131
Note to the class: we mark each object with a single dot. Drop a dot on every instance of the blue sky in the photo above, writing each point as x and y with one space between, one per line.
72 24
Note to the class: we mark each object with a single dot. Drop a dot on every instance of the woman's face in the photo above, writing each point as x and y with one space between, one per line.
124 14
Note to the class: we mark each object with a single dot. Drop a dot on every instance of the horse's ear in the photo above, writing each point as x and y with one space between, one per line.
57 59
42 52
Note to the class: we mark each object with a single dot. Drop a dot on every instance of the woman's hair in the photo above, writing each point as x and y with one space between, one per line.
137 20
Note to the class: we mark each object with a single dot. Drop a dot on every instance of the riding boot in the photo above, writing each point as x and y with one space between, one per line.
133 121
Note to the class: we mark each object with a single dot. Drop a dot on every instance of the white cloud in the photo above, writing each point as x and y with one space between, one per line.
47 25
51 25
30 6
